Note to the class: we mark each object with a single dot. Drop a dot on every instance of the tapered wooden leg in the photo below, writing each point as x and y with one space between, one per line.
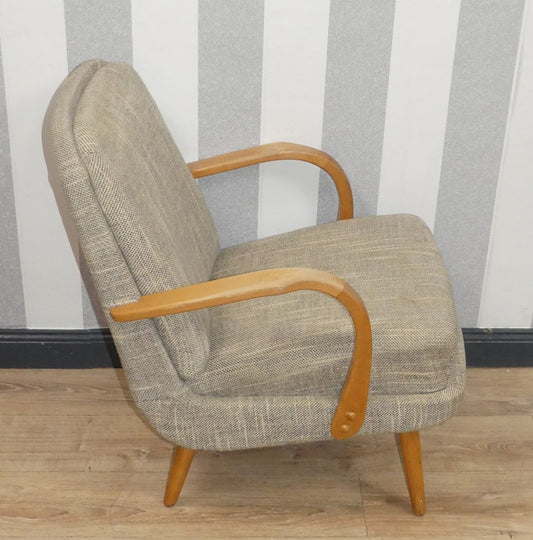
179 467
412 462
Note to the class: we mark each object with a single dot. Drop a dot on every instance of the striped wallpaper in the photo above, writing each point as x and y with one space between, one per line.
428 105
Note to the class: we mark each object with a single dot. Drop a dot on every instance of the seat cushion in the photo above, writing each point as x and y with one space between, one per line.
301 343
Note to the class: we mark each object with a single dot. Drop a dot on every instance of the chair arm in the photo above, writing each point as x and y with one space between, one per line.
351 407
278 151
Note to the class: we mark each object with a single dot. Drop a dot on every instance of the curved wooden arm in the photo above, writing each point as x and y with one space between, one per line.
350 412
275 152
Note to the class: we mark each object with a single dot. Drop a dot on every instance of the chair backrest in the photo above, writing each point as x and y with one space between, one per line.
142 223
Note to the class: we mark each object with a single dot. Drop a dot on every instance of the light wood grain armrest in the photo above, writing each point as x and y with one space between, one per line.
350 412
278 151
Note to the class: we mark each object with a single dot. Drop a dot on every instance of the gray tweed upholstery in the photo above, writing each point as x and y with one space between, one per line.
263 372
305 340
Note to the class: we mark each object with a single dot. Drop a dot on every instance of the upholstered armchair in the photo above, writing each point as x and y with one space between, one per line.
343 328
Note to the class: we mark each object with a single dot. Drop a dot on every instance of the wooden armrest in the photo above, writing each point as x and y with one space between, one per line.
275 152
351 407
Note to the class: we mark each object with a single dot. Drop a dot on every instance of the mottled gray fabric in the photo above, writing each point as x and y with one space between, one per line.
149 199
257 421
301 343
143 227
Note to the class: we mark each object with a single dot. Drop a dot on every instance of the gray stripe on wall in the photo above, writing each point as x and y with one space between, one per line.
486 49
230 58
357 73
96 29
12 311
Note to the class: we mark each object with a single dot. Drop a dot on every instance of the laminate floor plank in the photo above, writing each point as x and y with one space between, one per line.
502 536
497 391
468 504
86 391
88 504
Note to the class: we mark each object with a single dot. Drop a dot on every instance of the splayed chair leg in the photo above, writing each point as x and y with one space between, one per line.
179 467
412 462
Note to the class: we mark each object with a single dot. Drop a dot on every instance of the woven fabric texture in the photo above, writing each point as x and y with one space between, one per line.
143 227
257 421
150 200
301 343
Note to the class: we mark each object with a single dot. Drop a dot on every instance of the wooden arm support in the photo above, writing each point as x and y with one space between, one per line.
350 412
278 151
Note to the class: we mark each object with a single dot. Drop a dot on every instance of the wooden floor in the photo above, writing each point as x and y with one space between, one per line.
77 461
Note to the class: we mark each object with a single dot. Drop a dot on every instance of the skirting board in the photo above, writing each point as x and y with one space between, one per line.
80 349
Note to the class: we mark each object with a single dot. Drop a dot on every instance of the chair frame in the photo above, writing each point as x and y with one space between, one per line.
350 412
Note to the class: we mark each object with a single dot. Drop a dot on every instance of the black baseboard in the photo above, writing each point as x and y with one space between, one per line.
37 349
80 349
501 347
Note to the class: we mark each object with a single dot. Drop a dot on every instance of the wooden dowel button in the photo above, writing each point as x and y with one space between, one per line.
345 428
350 415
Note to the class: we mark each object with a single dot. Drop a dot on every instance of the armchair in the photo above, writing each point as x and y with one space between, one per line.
319 333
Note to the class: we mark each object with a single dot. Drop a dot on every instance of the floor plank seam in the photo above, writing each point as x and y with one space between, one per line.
362 502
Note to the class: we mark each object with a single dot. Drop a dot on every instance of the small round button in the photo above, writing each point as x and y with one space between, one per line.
350 415
345 428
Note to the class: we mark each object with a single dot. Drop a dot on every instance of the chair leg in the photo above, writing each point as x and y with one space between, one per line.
412 462
179 467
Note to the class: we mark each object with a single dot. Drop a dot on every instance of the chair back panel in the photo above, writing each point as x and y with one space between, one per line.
150 202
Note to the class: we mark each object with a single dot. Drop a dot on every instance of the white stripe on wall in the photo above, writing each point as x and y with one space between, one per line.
294 71
423 47
35 62
507 296
165 53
